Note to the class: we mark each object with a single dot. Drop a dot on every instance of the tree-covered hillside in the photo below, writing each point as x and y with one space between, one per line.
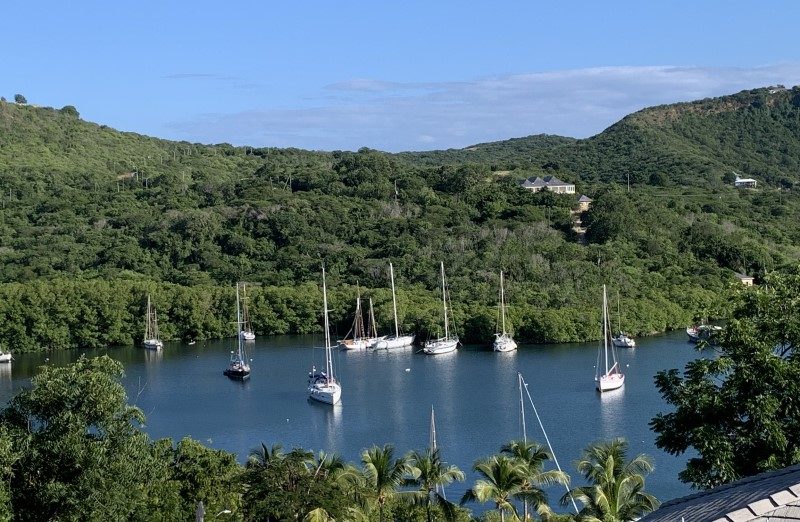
94 219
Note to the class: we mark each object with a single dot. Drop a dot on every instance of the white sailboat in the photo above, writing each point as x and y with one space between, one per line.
246 332
503 341
151 339
363 338
622 340
448 343
322 386
5 357
396 340
612 378
238 368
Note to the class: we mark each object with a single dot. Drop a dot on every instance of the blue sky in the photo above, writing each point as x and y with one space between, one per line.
388 75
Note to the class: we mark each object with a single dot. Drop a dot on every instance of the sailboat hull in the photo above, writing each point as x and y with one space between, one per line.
504 343
610 382
440 346
358 344
5 357
388 343
623 341
237 373
248 336
327 393
153 344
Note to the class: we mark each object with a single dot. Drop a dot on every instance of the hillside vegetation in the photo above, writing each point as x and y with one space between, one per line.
94 219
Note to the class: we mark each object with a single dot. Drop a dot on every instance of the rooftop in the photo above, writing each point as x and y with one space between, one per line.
772 496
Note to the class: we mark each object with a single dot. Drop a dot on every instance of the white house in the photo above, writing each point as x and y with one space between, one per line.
551 183
744 182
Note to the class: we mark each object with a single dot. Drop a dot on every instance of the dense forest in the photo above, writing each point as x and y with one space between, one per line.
92 220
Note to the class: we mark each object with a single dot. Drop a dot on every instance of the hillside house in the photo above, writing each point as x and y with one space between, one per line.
744 182
551 183
584 203
745 279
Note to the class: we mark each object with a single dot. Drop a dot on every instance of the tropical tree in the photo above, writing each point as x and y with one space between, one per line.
736 410
533 456
384 473
616 488
504 478
429 474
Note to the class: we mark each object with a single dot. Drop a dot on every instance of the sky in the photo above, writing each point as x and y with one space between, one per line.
411 75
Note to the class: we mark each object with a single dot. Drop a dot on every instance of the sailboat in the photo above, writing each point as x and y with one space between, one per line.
621 340
322 386
246 332
363 338
151 340
448 343
238 367
396 340
503 341
612 378
5 357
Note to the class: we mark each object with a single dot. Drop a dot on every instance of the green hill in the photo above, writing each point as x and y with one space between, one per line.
94 219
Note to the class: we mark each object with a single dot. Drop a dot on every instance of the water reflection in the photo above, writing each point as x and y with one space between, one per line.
6 384
612 412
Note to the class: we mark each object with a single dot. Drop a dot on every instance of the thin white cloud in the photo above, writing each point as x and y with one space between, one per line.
407 116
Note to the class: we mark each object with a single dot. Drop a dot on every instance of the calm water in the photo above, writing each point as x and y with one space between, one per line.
387 398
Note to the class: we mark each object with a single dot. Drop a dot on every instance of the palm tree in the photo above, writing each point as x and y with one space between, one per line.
615 491
383 472
533 456
263 457
503 479
429 473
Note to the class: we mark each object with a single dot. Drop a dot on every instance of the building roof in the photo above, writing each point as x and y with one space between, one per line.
584 199
773 496
744 276
547 181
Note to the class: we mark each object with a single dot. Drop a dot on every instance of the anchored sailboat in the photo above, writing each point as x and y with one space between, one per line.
612 378
448 343
247 332
503 341
238 367
622 340
363 338
396 340
151 338
322 386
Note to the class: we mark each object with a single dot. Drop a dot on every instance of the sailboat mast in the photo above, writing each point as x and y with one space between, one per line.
619 313
394 303
433 432
502 303
605 328
373 328
147 320
328 361
239 324
444 302
522 410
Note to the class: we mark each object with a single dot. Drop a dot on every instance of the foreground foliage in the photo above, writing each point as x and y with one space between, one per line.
737 407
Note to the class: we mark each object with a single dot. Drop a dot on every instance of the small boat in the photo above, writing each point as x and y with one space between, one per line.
622 340
192 342
5 357
247 331
151 338
503 341
702 332
396 340
238 368
448 343
322 386
612 378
